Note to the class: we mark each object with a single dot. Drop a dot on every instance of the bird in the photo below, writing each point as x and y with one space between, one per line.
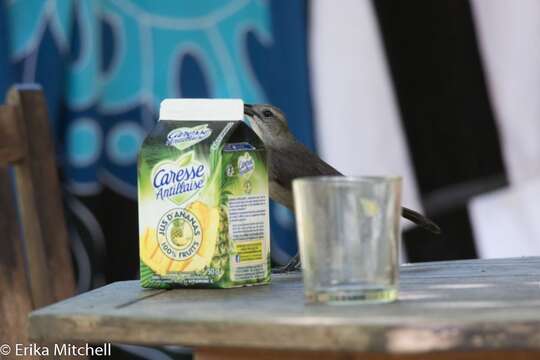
290 159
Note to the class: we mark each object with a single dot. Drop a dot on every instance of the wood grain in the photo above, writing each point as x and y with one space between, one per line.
476 305
266 354
39 196
15 301
11 147
37 270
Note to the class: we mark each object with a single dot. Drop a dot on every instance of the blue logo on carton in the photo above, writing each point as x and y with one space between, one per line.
246 164
180 180
183 138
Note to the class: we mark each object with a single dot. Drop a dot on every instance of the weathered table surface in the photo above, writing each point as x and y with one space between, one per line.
443 306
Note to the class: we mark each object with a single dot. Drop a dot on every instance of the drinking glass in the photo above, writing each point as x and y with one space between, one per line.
349 235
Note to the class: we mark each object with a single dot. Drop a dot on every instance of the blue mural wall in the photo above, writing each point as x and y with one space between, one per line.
105 65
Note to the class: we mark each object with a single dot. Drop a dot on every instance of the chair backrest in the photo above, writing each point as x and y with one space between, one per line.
35 262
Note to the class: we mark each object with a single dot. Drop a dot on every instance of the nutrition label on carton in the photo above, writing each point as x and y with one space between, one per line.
247 215
247 219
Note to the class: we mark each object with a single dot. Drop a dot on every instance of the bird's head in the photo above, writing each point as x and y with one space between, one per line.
269 122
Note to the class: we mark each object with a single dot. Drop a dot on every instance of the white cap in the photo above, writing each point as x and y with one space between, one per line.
201 109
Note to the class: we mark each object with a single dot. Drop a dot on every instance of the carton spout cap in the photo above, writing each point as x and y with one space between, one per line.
202 109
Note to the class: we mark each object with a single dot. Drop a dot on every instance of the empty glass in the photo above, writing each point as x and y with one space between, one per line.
349 234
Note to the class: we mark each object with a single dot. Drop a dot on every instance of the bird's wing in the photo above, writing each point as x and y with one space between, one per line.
294 160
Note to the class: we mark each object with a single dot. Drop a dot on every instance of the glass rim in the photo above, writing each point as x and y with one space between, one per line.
345 180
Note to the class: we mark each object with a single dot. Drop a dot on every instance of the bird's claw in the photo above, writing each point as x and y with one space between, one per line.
293 265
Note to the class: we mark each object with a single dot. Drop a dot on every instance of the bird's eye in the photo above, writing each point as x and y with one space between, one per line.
267 113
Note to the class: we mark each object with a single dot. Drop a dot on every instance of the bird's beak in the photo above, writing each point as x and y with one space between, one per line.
248 110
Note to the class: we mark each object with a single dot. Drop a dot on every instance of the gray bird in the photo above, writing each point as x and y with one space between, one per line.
290 159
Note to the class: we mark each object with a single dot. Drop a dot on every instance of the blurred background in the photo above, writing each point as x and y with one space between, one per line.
444 93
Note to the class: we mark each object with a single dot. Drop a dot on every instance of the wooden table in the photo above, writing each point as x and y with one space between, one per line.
450 310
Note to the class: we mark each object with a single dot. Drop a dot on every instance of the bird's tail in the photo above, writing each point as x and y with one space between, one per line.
420 220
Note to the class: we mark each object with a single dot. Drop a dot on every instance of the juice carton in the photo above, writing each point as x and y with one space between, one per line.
203 198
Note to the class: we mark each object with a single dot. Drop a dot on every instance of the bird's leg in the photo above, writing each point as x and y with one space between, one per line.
292 265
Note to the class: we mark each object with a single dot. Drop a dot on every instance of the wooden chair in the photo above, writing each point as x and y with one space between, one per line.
35 262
